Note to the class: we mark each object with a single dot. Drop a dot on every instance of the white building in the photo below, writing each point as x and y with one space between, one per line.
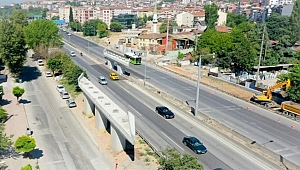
185 18
64 13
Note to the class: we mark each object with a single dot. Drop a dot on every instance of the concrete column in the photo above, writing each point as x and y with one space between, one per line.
120 69
109 64
101 121
89 106
117 141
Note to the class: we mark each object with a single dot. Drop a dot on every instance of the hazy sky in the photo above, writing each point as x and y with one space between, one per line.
8 2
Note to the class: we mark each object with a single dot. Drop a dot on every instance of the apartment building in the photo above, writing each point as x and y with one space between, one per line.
117 10
64 13
51 14
104 14
185 18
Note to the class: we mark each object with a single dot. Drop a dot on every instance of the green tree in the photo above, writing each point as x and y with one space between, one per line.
25 144
76 26
294 21
172 160
12 46
163 27
27 167
18 92
3 115
145 18
19 18
116 27
5 141
42 32
234 20
55 18
102 30
71 19
54 64
90 27
150 18
211 15
44 12
294 75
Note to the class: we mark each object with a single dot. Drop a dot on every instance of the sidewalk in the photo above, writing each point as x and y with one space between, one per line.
16 125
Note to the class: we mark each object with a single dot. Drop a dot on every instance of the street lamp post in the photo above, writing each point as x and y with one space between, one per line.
145 77
198 82
87 39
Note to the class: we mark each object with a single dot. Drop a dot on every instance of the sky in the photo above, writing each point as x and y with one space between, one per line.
8 2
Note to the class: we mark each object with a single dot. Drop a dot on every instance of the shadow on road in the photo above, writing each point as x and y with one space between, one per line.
10 153
24 101
36 153
30 73
5 102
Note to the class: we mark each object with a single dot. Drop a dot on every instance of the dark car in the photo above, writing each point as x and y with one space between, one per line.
165 112
195 144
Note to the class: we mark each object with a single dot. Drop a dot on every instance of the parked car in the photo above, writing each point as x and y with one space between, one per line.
102 80
60 88
64 95
71 103
72 54
165 112
48 74
113 76
194 144
69 34
40 62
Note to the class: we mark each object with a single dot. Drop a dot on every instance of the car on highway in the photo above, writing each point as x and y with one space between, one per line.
102 80
113 76
194 144
72 54
165 112
69 34
64 95
60 88
40 62
71 103
48 74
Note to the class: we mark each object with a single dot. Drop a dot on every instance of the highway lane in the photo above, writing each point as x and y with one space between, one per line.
256 125
171 130
61 139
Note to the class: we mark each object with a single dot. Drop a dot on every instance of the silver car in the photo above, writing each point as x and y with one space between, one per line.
64 95
102 80
71 103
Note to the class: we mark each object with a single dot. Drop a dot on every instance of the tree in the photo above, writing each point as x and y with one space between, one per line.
19 18
90 27
55 17
3 115
145 18
150 18
163 27
294 90
211 15
234 20
18 92
54 64
44 12
27 167
5 141
25 144
102 30
116 27
172 160
295 22
71 19
76 26
12 46
42 32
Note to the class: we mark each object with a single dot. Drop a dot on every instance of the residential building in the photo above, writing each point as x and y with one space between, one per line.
155 42
64 13
127 20
104 14
117 10
51 14
222 18
284 10
199 16
185 18
142 12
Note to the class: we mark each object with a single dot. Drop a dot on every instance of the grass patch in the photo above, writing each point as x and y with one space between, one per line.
142 154
142 141
147 159
148 151
71 88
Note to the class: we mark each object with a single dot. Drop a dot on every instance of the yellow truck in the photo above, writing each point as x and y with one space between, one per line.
291 108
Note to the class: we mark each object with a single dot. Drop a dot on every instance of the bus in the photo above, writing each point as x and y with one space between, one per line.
134 59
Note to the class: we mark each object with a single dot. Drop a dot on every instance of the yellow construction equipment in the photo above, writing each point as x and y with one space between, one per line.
266 97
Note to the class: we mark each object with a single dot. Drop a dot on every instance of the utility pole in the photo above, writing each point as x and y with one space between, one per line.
167 43
260 54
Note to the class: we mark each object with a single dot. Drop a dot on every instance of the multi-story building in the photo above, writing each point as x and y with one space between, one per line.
117 10
127 20
104 14
142 12
185 18
51 14
64 13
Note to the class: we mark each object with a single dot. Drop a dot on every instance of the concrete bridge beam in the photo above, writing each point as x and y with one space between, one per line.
89 106
101 121
117 141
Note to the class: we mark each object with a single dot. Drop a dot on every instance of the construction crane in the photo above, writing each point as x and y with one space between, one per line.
266 97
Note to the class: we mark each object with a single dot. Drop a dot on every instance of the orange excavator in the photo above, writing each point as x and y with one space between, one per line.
266 97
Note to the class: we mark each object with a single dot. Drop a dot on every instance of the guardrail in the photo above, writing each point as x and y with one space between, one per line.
149 144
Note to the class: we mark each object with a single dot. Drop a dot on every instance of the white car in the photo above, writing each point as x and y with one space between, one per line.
64 95
48 74
60 88
69 34
73 54
40 62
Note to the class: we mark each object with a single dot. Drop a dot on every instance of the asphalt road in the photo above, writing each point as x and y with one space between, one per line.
62 141
258 124
160 132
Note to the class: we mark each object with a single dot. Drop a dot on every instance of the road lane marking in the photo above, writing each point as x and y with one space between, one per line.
290 154
285 149
134 110
172 141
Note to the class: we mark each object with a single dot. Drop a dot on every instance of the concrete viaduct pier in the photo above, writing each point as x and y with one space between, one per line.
108 115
